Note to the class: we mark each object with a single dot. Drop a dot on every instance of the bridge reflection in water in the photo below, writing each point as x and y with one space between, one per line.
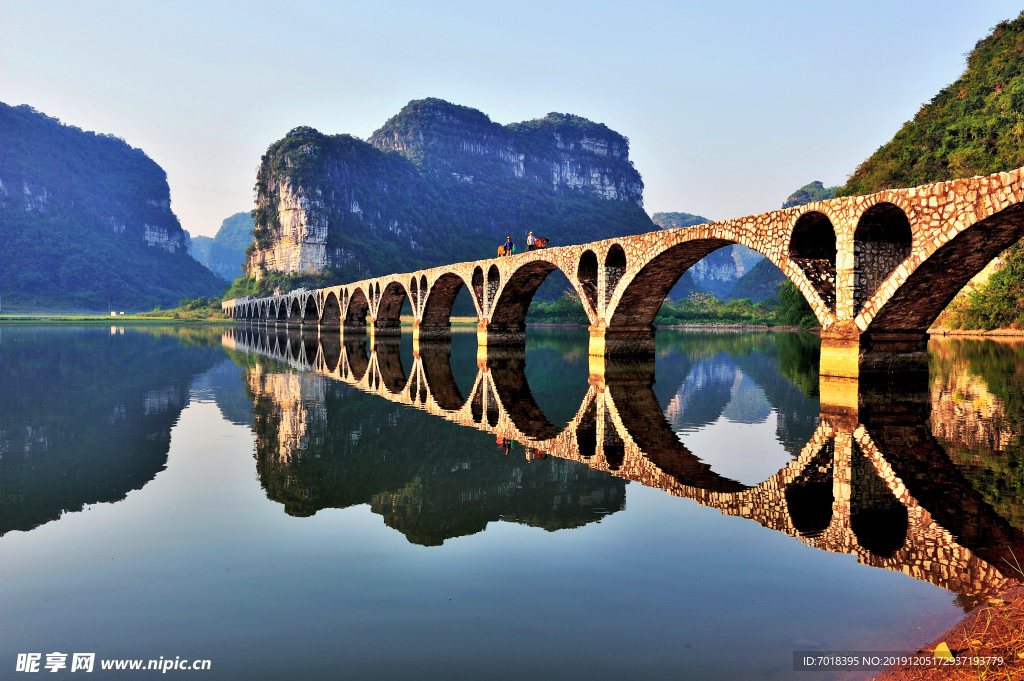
872 481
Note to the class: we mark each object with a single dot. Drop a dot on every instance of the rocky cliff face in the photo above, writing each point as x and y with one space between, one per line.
439 183
86 219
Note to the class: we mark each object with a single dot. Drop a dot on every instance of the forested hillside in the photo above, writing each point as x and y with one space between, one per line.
224 254
975 126
86 222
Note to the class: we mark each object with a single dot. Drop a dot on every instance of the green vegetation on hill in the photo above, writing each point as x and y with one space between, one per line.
760 283
678 220
224 254
815 191
85 222
975 126
997 304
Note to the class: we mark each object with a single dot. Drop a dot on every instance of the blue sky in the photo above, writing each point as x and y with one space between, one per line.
729 105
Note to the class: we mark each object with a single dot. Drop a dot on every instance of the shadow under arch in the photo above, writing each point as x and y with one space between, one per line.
358 307
356 358
586 277
435 358
812 247
632 394
882 240
809 498
508 375
294 312
877 518
614 268
331 316
310 315
387 350
389 309
929 289
645 294
509 312
440 299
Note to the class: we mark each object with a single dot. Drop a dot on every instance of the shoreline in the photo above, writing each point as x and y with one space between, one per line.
992 630
978 333
26 320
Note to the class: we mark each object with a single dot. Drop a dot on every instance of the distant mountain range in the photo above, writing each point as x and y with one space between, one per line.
224 253
439 183
86 222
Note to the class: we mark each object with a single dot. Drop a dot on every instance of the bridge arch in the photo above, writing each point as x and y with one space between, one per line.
310 313
389 307
586 279
439 301
644 294
330 318
282 311
478 289
356 309
812 248
882 241
508 312
614 269
294 312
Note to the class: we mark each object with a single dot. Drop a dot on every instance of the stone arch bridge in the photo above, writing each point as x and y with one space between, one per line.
877 270
878 488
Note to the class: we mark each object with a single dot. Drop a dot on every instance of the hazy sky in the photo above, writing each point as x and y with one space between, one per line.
729 106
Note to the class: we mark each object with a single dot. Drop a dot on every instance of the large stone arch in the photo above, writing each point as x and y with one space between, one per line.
435 321
294 306
356 310
643 295
512 300
586 280
310 313
330 317
388 319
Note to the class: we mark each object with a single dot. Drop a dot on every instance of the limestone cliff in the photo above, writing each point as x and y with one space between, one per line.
439 183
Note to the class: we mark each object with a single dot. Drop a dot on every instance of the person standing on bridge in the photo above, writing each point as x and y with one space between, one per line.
531 242
508 245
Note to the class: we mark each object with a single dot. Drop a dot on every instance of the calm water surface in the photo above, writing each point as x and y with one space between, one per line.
289 507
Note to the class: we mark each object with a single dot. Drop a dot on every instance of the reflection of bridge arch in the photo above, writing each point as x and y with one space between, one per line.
616 430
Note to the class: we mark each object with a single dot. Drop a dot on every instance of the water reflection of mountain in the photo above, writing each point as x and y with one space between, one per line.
742 377
91 417
977 414
322 444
